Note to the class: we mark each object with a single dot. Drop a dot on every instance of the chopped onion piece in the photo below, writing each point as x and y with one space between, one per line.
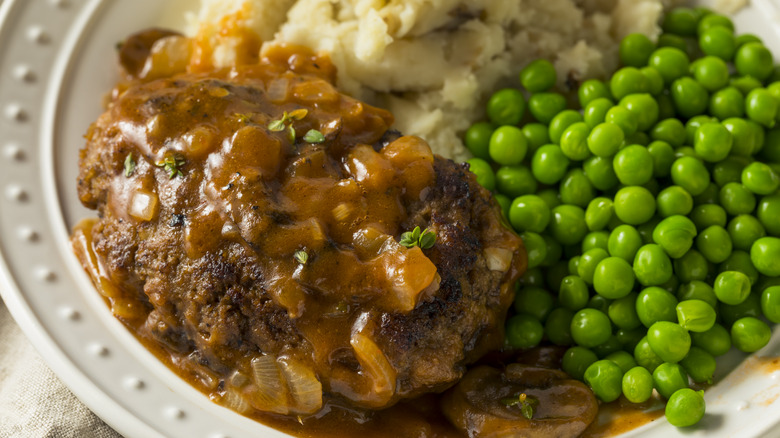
271 393
305 389
498 259
233 401
143 205
376 366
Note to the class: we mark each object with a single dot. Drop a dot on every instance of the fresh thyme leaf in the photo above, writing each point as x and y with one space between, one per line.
301 256
298 114
314 136
527 404
406 240
416 234
427 239
129 165
276 125
171 165
527 410
291 133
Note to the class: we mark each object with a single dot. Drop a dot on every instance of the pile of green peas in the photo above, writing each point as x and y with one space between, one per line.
650 214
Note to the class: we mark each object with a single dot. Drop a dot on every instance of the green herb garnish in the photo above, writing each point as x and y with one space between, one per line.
171 165
424 239
129 165
527 404
301 256
314 136
287 121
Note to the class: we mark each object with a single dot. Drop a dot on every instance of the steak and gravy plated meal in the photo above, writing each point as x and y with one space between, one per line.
344 218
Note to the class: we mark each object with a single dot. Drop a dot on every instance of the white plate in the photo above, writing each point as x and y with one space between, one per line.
57 58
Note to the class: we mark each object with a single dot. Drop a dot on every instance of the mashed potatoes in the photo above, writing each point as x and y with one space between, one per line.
433 63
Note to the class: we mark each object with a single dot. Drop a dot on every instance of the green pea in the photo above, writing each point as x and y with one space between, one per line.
598 213
560 122
740 261
765 254
623 118
750 334
754 59
690 174
668 378
745 84
573 263
669 341
568 224
544 106
760 179
529 213
573 293
630 338
646 229
549 164
643 107
771 149
634 205
506 107
558 326
613 278
605 378
595 239
671 63
536 136
663 157
744 230
588 263
770 303
671 131
624 242
507 145
635 49
515 180
591 90
590 327
681 21
477 139
714 243
600 172
713 20
555 274
576 360
718 42
485 176
666 109
576 188
574 141
674 200
535 248
675 41
728 171
596 111
732 287
746 135
707 215
729 314
747 38
605 139
715 341
695 315
633 165
652 267
637 385
685 407
690 98
532 277
762 107
692 266
712 142
693 124
736 199
768 211
623 314
727 103
697 290
550 197
627 80
523 331
645 356
699 365
538 76
655 83
675 235
554 251
504 202
534 301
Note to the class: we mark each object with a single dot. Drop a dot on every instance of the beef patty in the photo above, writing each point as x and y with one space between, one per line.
249 232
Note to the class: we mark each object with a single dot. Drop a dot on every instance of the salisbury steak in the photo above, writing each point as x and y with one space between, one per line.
250 232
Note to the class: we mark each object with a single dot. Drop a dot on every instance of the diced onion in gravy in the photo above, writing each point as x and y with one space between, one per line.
498 259
143 205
